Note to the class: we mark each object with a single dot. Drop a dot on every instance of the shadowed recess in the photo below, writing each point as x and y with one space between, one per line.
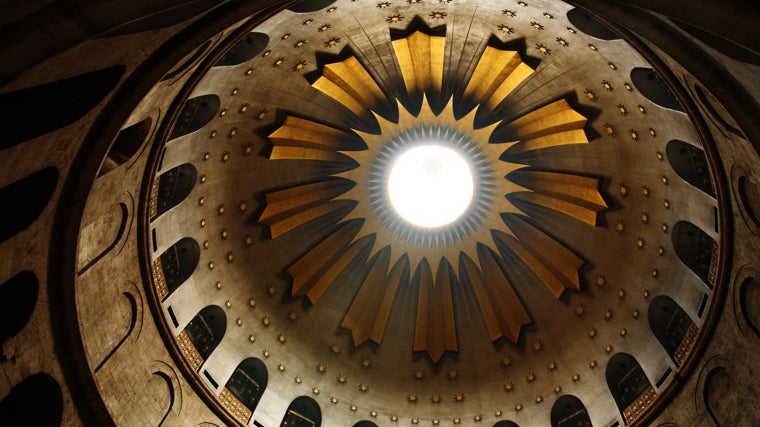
18 297
35 401
302 412
690 164
590 26
245 49
569 411
696 250
127 143
651 85
66 101
24 201
629 386
671 326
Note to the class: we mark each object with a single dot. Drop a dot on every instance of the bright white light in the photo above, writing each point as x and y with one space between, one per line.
430 185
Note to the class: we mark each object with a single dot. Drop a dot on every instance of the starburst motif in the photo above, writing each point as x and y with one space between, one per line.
434 259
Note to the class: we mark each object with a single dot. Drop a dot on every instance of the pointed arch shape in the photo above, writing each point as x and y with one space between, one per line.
696 250
303 411
173 187
629 386
569 411
25 200
672 327
690 163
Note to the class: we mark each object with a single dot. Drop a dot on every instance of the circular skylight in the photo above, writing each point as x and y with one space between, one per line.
430 185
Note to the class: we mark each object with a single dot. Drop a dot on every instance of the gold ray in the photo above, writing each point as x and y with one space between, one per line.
496 75
327 278
551 125
349 83
298 132
573 195
302 217
435 330
556 265
300 153
291 201
312 265
368 315
501 308
420 57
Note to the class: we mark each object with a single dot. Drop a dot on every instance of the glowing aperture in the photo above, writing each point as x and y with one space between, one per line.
430 185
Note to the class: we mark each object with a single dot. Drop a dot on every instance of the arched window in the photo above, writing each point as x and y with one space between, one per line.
302 412
589 25
245 386
24 201
204 333
695 249
174 186
68 99
126 145
195 114
36 401
365 423
569 411
248 47
506 423
178 264
18 296
629 386
673 328
690 163
650 84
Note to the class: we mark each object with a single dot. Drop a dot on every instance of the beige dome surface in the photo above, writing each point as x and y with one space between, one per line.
224 250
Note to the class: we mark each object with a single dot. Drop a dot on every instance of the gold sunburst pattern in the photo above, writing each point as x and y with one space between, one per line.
468 252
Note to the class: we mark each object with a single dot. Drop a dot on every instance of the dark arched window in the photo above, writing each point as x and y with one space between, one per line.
506 423
671 325
36 401
206 331
174 186
650 84
695 249
629 386
690 163
70 99
179 262
569 411
126 145
247 384
585 23
18 296
195 114
365 423
310 5
24 201
248 47
302 412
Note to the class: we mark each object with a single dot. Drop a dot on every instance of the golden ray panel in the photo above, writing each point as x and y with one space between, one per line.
464 253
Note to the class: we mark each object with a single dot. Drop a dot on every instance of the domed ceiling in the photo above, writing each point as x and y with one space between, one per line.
571 289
